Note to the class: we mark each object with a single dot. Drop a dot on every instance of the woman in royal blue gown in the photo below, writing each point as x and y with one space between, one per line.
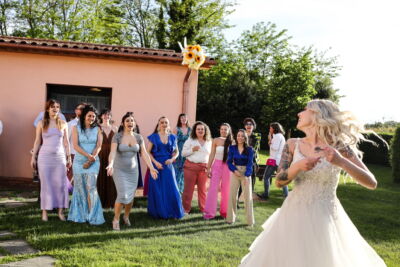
164 200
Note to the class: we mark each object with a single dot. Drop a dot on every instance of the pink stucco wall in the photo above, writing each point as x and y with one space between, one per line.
150 90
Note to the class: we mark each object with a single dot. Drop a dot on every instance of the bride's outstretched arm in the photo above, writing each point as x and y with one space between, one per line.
349 162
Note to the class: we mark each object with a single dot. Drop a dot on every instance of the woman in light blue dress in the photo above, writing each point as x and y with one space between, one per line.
86 139
182 132
124 166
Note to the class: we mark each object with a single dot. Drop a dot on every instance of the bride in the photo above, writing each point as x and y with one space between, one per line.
311 229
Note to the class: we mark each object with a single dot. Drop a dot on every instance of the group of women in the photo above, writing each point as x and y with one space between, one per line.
311 218
177 163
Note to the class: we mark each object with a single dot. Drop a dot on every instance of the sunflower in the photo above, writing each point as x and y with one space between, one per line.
197 48
189 55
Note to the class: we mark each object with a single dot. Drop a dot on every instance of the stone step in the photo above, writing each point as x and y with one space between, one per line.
42 261
17 247
6 234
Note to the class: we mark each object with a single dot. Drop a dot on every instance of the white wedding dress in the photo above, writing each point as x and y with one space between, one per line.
311 229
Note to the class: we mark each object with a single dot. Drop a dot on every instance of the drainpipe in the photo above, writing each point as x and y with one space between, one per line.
186 91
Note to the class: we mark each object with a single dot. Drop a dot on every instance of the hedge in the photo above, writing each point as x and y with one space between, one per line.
377 153
395 156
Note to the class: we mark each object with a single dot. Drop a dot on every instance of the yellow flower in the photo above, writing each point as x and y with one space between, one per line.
198 59
197 48
189 55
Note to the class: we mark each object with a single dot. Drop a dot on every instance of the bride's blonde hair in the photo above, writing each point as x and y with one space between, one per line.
339 129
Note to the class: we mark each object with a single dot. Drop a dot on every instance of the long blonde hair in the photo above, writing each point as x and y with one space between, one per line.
339 129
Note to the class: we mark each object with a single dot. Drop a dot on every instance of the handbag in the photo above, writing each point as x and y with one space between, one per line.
271 162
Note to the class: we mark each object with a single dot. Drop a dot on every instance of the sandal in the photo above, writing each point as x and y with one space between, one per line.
115 225
61 217
126 221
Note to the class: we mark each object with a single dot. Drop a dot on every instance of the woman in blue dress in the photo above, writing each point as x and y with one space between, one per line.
164 200
182 132
86 139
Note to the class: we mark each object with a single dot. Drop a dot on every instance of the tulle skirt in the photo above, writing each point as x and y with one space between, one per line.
310 235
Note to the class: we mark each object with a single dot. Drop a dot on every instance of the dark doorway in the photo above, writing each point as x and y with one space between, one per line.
71 95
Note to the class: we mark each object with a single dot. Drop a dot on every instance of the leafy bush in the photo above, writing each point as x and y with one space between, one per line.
395 155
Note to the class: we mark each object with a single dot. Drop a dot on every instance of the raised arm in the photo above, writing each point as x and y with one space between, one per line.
349 162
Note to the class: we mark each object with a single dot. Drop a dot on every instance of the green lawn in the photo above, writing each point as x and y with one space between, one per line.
193 241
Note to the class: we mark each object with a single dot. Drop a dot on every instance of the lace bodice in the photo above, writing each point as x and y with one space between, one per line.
317 185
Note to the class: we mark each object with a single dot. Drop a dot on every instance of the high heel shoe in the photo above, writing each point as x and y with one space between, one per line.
115 225
126 221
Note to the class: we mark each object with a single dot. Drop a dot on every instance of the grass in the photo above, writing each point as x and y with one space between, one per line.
193 241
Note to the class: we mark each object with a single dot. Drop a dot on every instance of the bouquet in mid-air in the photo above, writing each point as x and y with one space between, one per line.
193 55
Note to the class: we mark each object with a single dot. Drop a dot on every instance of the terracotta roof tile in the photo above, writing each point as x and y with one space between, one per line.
68 48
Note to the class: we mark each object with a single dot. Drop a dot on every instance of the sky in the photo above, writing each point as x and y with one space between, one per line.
365 35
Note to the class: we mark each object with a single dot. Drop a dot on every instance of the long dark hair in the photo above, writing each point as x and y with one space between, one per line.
246 140
179 123
277 127
127 115
46 115
228 140
104 111
158 122
207 132
137 129
85 111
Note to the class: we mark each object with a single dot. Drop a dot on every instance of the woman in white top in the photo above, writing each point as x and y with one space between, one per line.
276 144
197 151
219 173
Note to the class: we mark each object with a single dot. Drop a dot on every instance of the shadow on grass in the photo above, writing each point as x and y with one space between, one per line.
55 234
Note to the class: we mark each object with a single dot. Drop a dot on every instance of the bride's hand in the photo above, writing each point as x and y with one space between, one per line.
308 163
332 155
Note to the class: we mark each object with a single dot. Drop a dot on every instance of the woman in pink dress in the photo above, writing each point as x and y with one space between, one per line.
53 160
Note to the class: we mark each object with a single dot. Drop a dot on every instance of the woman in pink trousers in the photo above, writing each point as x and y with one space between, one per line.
219 173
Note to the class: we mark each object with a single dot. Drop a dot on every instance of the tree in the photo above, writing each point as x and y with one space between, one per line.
32 17
141 20
325 69
395 156
6 10
200 21
259 45
290 87
227 93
